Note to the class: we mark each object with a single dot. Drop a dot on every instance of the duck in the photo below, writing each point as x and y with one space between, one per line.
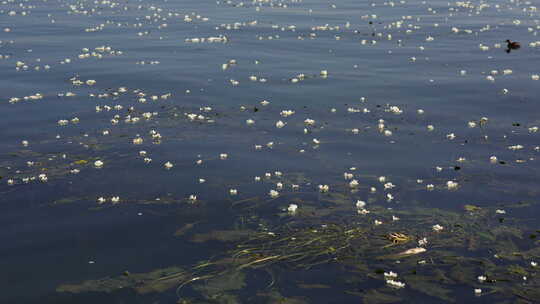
512 45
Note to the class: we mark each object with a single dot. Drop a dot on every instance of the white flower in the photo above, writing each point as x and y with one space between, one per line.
309 122
482 279
168 165
389 197
377 222
233 192
101 200
360 204
534 264
353 184
280 124
115 199
137 141
10 182
373 189
324 73
316 141
324 188
437 228
286 113
493 159
90 82
192 198
422 242
430 127
451 185
348 175
279 186
395 284
451 136
477 291
389 185
43 177
223 156
147 160
98 164
25 143
273 193
362 211
202 180
390 274
395 218
292 208
499 211
250 122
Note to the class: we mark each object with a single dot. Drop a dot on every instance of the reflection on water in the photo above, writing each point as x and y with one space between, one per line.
268 152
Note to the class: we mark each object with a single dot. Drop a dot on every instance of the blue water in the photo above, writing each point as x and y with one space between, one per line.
45 243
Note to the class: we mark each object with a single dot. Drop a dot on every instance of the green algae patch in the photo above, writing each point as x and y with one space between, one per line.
154 281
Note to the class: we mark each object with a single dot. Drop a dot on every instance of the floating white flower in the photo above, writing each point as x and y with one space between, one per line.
98 163
192 198
233 192
354 183
10 182
280 124
437 228
360 204
377 222
422 242
477 291
115 199
250 122
390 274
395 284
451 185
101 200
279 186
389 185
482 279
324 188
292 208
430 187
168 165
223 156
309 122
273 193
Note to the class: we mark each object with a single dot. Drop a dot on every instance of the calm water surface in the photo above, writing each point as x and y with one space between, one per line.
100 81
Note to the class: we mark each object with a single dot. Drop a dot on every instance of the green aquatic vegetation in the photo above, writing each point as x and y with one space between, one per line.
430 286
222 235
359 248
377 297
154 281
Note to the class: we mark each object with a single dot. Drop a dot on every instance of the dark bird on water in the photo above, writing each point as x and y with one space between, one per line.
513 45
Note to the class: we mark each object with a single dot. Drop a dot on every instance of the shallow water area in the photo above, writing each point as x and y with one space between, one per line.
280 151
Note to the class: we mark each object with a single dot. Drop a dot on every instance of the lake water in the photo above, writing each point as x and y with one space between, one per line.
269 151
